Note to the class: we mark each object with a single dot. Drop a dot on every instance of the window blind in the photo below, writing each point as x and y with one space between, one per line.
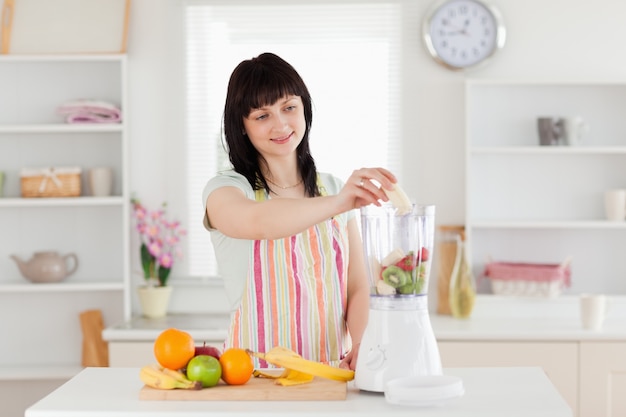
347 52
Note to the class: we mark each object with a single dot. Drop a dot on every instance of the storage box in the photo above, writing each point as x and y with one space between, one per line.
528 279
50 182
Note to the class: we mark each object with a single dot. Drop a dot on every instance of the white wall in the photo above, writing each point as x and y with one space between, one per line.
552 39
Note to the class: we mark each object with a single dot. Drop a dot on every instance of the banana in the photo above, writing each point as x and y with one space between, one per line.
162 378
288 359
177 375
399 199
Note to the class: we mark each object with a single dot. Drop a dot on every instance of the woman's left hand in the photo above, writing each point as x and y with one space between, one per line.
349 362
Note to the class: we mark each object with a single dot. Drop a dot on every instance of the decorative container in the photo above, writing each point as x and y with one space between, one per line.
462 284
50 182
528 279
447 250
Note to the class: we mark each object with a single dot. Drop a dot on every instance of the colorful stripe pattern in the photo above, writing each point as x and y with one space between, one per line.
296 294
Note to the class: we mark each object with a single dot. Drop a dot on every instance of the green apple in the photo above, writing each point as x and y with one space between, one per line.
206 369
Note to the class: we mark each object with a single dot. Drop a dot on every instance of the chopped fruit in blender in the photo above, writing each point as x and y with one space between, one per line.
424 255
419 285
393 257
396 276
407 263
382 288
407 289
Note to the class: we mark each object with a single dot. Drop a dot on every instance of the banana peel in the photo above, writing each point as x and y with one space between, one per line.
294 378
287 378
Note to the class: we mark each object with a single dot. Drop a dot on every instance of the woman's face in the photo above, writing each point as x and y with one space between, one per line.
277 129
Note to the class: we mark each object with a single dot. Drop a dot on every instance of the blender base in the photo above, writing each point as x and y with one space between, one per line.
398 342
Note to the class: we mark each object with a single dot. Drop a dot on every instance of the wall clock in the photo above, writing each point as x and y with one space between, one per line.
462 34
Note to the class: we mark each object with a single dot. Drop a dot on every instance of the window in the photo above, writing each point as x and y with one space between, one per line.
349 55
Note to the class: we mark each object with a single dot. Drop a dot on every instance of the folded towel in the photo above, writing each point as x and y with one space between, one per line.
90 111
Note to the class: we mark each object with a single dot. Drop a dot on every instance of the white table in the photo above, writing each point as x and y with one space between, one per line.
114 392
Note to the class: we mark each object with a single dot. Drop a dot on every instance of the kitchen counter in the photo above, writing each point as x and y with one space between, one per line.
212 326
494 318
114 392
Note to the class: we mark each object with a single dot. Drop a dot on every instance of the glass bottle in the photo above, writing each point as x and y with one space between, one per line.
462 284
446 256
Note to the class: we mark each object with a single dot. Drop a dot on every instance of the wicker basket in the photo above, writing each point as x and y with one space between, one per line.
528 279
50 182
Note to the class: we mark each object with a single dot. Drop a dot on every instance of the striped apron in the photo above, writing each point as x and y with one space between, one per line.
295 295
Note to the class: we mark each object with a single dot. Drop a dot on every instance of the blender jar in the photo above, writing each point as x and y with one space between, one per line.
398 249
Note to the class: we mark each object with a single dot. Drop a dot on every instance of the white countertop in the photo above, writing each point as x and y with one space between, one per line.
114 392
494 318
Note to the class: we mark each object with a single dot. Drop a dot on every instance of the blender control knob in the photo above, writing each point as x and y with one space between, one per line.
375 359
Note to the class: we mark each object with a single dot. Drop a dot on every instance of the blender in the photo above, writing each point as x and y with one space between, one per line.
398 341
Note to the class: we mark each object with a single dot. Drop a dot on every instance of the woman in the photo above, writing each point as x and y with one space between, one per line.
286 237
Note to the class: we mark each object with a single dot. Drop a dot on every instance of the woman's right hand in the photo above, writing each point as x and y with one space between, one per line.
365 187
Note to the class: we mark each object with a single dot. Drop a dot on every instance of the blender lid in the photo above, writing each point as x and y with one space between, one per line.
424 391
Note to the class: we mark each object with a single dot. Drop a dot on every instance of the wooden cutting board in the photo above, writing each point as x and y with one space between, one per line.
256 389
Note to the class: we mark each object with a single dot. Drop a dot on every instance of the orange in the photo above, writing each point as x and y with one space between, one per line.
173 348
237 366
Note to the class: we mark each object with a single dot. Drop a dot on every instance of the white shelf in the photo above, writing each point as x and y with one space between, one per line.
63 128
567 82
548 224
96 229
28 287
548 150
38 372
62 202
532 203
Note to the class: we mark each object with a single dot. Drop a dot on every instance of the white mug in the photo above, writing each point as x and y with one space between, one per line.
593 310
615 205
101 181
574 128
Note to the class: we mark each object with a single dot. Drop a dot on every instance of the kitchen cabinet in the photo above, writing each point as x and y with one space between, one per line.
602 379
131 342
138 354
41 334
559 360
542 204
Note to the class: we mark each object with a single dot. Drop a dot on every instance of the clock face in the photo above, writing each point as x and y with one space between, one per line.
463 33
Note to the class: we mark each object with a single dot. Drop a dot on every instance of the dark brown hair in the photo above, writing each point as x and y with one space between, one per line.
255 83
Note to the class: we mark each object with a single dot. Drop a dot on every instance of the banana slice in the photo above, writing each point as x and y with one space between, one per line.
392 257
382 288
399 199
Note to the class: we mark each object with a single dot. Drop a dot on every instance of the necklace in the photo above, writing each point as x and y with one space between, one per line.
281 187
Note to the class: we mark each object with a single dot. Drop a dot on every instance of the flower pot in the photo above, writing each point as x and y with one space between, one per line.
154 300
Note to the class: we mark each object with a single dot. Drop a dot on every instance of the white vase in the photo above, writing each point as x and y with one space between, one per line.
154 300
